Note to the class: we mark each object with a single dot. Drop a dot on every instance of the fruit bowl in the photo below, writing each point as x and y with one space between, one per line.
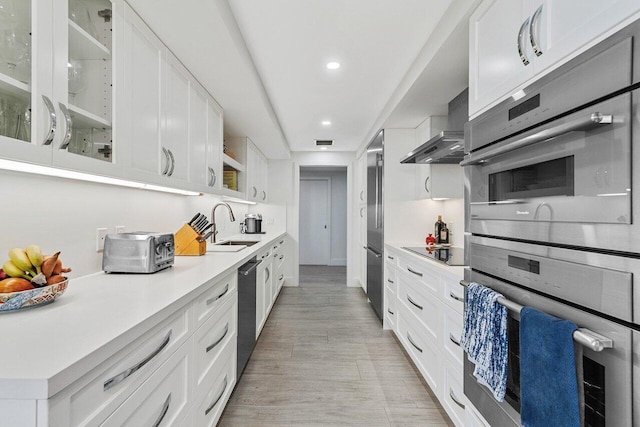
11 301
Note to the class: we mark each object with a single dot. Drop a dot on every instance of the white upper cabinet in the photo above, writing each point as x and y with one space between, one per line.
57 83
215 139
439 182
256 174
514 42
175 136
205 140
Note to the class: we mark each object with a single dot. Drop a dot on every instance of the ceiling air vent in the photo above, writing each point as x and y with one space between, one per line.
324 142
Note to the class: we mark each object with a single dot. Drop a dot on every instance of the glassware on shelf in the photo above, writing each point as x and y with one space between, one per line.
15 118
77 79
79 13
8 14
14 49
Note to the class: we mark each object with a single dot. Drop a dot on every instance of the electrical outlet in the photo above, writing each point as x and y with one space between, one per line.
101 234
119 229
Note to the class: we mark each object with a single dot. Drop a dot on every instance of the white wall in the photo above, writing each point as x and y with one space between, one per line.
338 189
62 215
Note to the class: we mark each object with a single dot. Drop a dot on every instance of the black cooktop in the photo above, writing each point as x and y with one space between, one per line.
447 255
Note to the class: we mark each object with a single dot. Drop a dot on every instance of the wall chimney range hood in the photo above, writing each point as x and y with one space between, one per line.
447 147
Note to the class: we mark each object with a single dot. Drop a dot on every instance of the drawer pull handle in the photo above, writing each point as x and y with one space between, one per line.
212 346
281 257
456 297
453 339
215 402
281 277
163 413
390 312
214 299
417 273
390 281
390 257
455 399
113 381
413 302
281 241
412 343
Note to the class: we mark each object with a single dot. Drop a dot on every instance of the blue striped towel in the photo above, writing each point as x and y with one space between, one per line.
484 337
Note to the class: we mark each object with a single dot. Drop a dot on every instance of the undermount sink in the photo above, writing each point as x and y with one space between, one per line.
237 243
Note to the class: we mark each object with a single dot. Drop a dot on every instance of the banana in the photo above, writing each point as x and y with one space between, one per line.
21 260
14 271
35 256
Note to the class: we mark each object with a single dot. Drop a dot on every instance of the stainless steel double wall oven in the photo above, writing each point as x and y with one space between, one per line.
555 224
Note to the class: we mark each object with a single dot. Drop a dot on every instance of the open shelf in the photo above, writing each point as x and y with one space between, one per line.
11 86
83 45
85 119
228 161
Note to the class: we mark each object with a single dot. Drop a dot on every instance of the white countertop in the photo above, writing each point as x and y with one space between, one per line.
47 348
458 270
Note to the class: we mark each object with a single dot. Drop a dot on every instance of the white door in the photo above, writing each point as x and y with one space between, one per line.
314 221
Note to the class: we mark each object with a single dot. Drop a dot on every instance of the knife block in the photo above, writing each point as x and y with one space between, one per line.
186 240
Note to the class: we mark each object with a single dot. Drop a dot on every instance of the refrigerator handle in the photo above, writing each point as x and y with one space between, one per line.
376 254
378 189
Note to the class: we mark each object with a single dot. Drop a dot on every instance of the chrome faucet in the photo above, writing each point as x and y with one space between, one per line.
213 219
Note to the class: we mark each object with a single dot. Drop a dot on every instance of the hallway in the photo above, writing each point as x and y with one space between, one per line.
323 359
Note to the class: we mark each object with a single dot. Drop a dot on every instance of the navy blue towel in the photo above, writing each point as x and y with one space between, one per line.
548 380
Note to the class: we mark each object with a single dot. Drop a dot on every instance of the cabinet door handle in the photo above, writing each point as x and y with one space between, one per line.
212 346
52 121
69 126
456 297
417 273
216 298
390 312
390 281
426 185
281 241
362 195
163 412
453 339
215 402
266 270
532 36
361 212
414 303
215 177
281 277
390 257
523 57
115 380
455 399
255 191
281 257
173 163
166 164
412 343
264 195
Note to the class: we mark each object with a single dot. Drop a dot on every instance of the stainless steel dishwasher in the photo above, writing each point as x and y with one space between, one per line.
246 312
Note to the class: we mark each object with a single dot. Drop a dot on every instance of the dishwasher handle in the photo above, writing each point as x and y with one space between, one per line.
249 267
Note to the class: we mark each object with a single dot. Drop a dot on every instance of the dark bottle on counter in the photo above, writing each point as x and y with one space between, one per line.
438 229
444 235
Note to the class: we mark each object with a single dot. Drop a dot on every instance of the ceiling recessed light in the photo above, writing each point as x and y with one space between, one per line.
326 123
323 148
333 65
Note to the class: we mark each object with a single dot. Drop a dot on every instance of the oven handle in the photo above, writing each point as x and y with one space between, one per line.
586 337
581 124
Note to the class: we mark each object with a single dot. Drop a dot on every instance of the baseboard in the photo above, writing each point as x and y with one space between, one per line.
340 262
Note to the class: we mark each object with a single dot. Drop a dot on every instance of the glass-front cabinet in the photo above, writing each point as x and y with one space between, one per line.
57 82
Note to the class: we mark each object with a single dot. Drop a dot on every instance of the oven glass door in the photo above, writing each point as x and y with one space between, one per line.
564 178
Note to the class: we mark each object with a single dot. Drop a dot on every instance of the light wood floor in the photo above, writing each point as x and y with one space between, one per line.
323 360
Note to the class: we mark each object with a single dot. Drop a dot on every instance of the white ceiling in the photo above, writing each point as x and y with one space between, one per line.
265 62
291 41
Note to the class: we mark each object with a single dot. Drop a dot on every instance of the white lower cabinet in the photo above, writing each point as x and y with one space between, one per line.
428 302
163 399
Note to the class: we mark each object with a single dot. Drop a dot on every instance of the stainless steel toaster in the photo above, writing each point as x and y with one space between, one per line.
138 252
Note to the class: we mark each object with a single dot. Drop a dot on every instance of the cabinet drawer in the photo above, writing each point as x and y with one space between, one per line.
217 332
451 334
96 395
453 293
453 399
162 400
215 296
391 279
417 300
420 272
421 348
390 312
390 258
218 388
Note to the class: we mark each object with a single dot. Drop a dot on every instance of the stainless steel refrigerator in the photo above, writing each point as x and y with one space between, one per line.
375 223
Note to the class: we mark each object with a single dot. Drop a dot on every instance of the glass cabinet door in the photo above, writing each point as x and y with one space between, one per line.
89 80
15 70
